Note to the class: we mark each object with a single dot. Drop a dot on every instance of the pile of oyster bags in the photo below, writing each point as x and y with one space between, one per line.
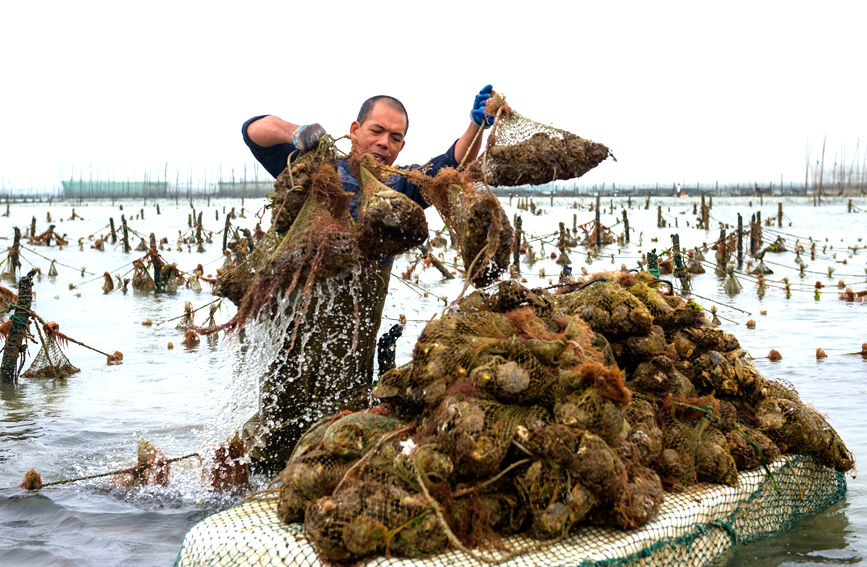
531 412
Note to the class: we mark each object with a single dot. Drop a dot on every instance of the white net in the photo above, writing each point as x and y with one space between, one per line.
522 151
693 527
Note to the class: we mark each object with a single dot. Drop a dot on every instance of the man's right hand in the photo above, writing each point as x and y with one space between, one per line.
306 137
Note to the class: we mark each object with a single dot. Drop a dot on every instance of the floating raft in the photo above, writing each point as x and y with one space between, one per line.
692 527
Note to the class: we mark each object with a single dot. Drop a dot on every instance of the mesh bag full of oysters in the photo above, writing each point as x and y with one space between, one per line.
531 412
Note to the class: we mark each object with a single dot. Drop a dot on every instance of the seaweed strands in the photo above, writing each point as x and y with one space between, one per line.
229 470
321 240
318 244
152 468
521 151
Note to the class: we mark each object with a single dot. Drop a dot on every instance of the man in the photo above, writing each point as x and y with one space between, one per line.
322 373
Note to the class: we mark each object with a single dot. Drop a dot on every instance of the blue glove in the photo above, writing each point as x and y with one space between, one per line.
477 114
306 137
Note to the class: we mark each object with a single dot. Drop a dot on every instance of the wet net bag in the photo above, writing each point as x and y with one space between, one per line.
521 151
50 362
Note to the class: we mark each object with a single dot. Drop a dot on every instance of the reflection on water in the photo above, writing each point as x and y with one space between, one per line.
190 400
823 539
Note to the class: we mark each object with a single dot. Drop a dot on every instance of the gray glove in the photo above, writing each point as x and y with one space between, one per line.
306 137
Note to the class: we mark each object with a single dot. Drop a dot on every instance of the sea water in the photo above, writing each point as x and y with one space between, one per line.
188 400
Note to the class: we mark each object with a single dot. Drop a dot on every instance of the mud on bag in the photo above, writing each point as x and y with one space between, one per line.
521 151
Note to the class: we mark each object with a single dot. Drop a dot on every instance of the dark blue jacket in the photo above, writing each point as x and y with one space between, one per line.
273 159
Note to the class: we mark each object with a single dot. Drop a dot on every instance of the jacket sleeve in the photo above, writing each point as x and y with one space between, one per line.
273 158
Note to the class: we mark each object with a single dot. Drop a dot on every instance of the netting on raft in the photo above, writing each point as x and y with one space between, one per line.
50 361
693 527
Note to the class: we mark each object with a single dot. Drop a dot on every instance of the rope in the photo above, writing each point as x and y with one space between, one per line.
456 543
55 261
70 339
416 288
219 299
134 469
720 303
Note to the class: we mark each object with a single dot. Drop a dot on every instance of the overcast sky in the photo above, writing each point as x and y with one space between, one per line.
680 91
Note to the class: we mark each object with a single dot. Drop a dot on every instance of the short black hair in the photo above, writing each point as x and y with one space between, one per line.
367 108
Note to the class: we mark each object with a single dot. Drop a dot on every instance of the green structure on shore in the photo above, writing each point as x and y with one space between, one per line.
98 188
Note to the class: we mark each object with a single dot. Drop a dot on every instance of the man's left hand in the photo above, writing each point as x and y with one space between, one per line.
478 114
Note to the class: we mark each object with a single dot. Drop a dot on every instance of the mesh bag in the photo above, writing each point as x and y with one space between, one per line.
50 362
521 151
474 217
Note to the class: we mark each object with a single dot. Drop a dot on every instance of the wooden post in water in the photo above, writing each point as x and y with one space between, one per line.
199 240
753 234
758 229
156 263
598 225
158 208
552 198
705 216
14 257
226 232
647 203
113 233
17 334
574 223
33 223
740 241
125 233
652 264
660 223
780 214
679 271
516 250
625 226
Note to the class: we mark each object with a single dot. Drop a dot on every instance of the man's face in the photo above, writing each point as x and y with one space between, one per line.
381 134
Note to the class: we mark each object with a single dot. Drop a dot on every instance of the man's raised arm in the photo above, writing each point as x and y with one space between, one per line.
465 149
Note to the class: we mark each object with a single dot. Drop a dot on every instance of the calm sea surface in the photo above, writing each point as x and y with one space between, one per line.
187 400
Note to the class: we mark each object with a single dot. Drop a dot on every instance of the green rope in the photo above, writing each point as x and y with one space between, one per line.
18 321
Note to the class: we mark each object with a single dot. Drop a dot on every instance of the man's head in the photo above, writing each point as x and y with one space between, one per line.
380 128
